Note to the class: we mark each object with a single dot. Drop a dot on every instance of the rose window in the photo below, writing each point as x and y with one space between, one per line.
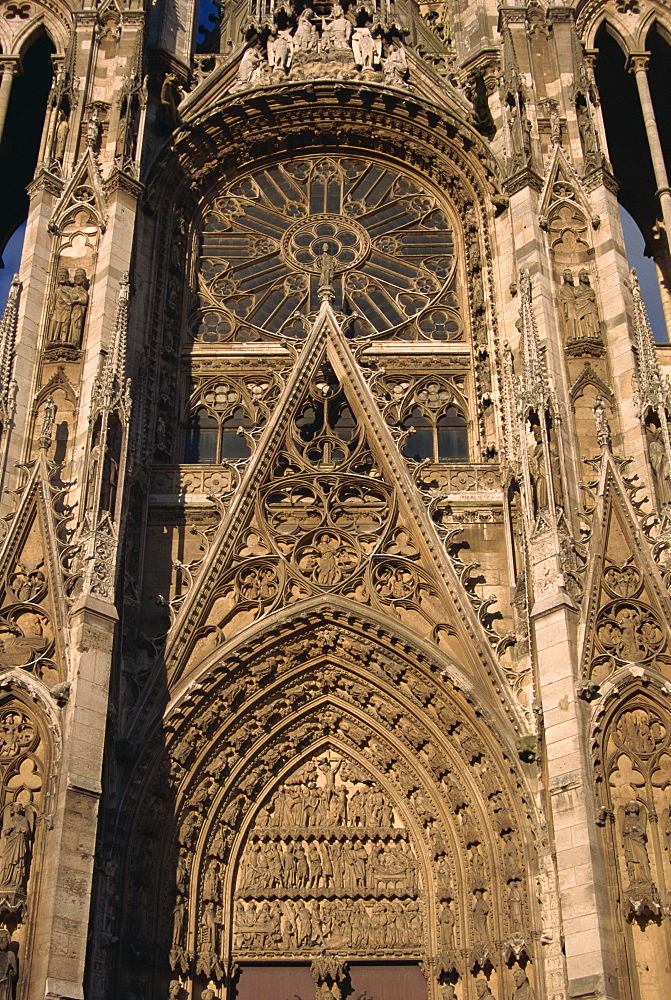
388 246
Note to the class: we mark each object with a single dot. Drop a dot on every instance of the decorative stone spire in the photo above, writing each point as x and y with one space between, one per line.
533 384
509 401
111 388
7 341
653 388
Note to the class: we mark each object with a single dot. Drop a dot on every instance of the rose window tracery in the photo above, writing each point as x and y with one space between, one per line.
389 244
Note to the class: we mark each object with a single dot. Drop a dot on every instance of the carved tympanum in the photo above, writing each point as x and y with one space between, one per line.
328 864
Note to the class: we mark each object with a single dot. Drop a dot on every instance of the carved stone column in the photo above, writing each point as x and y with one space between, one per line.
638 65
10 67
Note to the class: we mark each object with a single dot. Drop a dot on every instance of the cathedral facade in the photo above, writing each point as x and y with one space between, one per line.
335 568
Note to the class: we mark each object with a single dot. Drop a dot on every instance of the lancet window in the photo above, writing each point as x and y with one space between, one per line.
212 437
439 438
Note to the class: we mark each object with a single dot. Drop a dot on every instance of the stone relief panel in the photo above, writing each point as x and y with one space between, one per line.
628 629
346 43
26 762
258 259
328 863
28 628
636 819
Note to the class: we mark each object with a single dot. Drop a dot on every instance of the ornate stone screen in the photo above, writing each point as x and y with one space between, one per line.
263 240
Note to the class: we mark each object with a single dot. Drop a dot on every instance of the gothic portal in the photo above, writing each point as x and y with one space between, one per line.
335 452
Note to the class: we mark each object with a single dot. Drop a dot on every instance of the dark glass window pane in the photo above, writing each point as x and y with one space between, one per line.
234 446
420 444
344 424
452 437
201 438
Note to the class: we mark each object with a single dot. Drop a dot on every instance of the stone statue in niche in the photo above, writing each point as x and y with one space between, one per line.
8 967
62 132
523 988
634 841
588 313
17 835
538 471
447 921
659 460
601 421
515 907
579 310
68 311
480 910
482 990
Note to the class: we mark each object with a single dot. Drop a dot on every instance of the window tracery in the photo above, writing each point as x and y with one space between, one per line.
392 245
223 415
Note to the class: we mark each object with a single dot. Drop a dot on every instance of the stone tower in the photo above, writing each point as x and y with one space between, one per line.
336 513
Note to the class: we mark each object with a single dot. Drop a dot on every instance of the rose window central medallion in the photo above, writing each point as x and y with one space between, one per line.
306 241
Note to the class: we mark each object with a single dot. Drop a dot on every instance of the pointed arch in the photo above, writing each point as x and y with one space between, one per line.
238 734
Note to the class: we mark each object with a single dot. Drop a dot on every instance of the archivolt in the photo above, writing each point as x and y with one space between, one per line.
238 735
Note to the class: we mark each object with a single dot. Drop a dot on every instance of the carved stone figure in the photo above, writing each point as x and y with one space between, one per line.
447 921
515 907
58 328
79 300
396 66
523 989
363 47
601 421
336 31
305 36
538 472
482 990
17 836
480 910
179 922
69 308
279 48
634 840
62 132
660 466
569 307
8 967
586 308
248 64
326 263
